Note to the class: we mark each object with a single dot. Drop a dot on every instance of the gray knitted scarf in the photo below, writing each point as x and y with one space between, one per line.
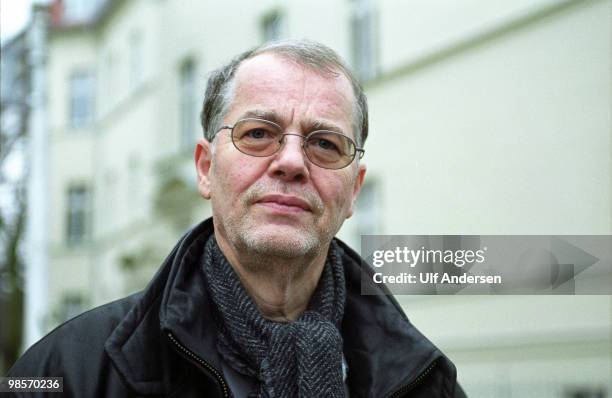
296 359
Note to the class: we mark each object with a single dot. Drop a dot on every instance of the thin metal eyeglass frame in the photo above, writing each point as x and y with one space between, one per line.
361 151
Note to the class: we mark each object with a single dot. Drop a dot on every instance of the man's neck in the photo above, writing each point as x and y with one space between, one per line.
281 287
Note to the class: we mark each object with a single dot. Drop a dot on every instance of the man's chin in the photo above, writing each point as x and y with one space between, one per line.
281 241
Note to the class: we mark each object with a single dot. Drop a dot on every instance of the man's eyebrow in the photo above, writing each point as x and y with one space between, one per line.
308 126
260 114
322 125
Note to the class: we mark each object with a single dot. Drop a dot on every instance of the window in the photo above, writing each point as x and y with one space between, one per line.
272 26
188 104
112 200
109 78
363 36
81 99
134 184
136 58
77 212
586 392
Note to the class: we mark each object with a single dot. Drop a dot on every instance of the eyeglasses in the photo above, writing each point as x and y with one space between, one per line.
326 149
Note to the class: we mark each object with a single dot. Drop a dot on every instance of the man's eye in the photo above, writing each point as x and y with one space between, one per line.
257 133
326 144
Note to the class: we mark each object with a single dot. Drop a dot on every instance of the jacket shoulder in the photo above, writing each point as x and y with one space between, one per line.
75 349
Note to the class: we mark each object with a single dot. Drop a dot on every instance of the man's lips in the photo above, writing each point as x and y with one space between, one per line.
285 201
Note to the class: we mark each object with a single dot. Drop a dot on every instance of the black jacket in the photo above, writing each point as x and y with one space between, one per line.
161 342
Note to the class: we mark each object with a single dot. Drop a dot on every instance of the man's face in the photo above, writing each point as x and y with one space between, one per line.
280 205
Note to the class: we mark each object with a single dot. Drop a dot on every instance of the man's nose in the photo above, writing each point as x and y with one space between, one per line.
290 162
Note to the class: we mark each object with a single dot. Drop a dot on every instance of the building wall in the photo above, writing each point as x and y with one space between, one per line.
508 133
410 30
70 153
128 93
508 136
520 346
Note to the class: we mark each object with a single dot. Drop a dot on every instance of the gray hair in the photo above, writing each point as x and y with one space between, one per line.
313 55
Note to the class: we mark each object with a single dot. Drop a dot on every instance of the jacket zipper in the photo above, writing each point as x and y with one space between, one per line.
408 387
201 362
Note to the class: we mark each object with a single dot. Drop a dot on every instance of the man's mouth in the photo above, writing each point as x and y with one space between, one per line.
285 203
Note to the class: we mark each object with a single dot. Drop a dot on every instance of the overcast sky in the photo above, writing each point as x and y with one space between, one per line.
14 15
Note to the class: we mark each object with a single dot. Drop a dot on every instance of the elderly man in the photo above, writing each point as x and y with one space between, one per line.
261 300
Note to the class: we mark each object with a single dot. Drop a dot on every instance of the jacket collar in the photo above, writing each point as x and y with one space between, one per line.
138 345
384 351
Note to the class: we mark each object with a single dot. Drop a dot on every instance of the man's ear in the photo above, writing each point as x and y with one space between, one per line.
361 171
203 160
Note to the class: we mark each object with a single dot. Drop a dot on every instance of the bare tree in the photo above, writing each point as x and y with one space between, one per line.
14 116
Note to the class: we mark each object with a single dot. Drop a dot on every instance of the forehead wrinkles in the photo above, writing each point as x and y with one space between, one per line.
286 87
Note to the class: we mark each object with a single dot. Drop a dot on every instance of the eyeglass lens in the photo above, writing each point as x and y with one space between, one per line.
326 149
